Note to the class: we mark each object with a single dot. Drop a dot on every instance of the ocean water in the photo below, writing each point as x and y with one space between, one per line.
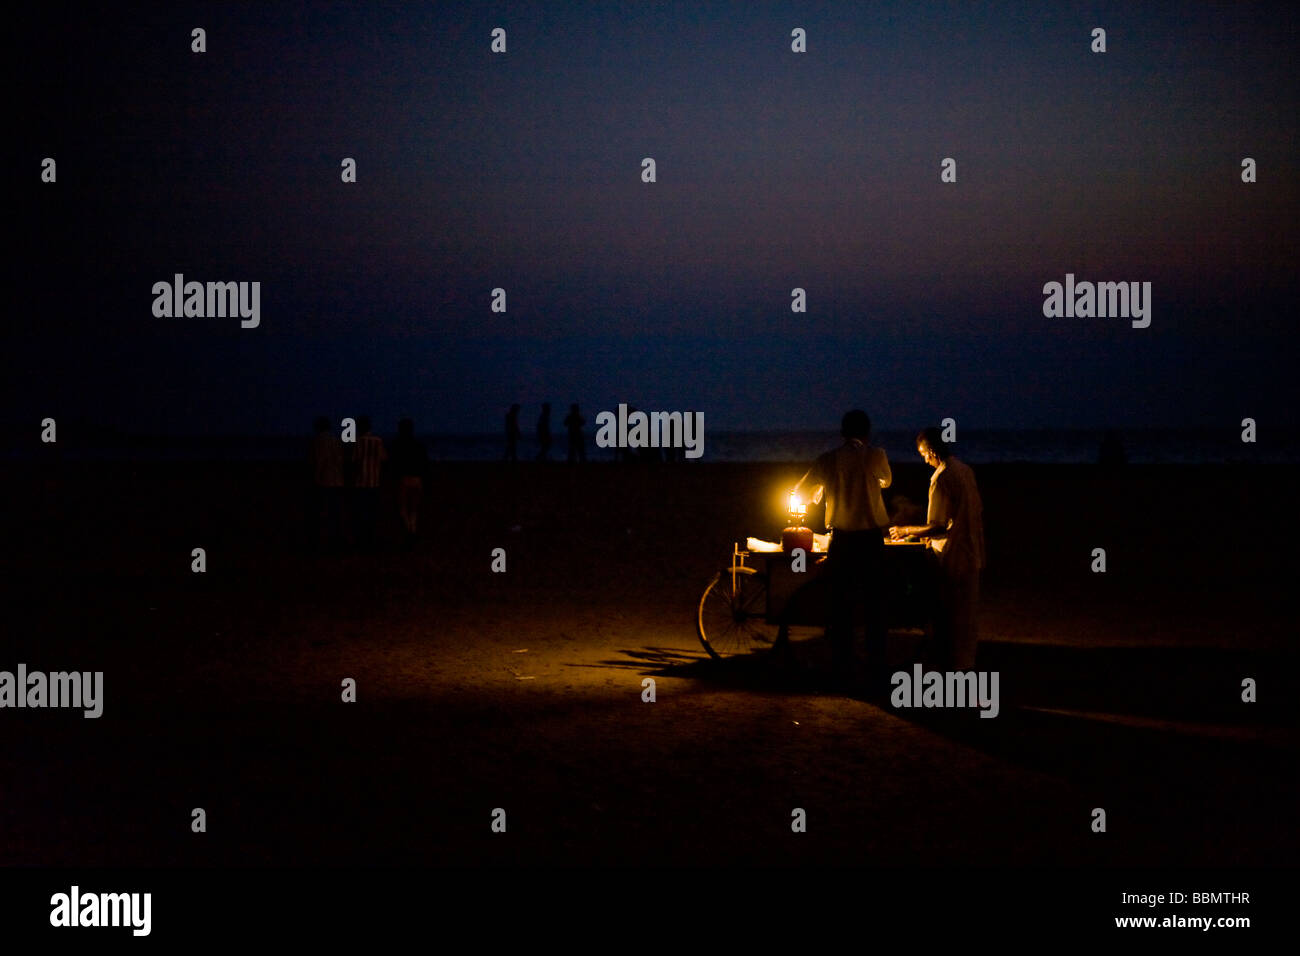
1040 446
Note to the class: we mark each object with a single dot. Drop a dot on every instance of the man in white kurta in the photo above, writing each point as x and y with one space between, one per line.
955 526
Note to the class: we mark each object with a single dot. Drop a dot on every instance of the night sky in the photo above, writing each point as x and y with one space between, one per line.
775 170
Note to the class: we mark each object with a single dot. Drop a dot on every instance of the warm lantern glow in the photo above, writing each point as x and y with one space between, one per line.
797 536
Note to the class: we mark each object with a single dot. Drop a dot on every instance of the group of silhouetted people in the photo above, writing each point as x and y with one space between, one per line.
573 423
346 480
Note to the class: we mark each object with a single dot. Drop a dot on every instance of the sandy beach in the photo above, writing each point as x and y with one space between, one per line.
523 690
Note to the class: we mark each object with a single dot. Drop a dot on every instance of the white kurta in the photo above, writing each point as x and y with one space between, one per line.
955 505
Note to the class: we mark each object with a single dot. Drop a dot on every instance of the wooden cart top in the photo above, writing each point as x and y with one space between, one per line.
903 545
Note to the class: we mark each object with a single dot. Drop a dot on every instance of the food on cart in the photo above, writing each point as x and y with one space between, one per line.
820 542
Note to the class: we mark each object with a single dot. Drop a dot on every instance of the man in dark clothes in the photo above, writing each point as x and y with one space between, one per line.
852 477
410 463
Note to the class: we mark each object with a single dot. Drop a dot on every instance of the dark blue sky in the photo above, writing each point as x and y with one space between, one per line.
775 170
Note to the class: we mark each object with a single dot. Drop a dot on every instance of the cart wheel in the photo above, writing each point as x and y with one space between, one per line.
731 622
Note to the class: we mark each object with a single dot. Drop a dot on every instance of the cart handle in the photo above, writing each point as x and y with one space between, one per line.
738 556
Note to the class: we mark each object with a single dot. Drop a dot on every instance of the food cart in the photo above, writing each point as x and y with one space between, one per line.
751 604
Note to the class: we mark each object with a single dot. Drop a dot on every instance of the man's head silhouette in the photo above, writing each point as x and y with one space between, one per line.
856 424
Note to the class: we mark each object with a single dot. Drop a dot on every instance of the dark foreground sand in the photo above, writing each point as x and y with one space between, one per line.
523 690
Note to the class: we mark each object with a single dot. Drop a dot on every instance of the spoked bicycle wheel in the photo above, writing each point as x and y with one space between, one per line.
731 618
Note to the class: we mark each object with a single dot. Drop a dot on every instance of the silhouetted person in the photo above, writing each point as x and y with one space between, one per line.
326 457
368 457
512 434
1111 452
955 525
544 433
573 423
410 464
851 477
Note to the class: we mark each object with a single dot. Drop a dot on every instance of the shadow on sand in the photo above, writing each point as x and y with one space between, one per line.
1137 722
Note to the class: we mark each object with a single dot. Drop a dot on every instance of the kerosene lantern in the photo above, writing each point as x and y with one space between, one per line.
797 536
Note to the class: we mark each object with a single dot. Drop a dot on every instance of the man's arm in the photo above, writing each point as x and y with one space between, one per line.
885 476
918 530
937 517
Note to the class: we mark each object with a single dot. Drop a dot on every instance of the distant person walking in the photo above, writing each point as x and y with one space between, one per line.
410 463
544 433
851 477
955 526
573 423
368 457
512 434
326 457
